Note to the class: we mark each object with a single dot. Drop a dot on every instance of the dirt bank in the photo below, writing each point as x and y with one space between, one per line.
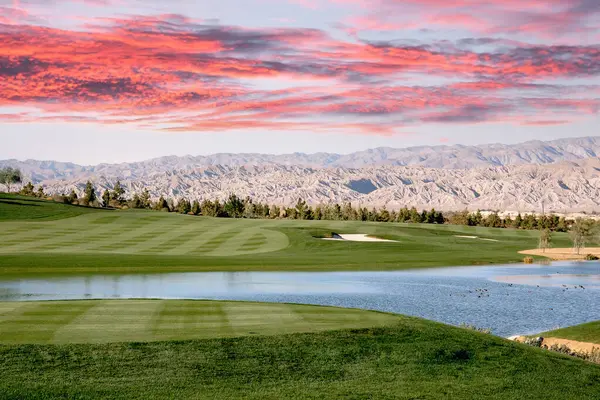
563 253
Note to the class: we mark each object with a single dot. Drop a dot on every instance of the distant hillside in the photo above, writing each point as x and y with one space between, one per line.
454 157
561 176
561 188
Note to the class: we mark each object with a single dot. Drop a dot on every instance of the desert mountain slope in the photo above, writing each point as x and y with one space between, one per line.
562 187
454 157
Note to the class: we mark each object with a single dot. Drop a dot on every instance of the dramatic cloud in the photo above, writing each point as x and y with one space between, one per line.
178 73
541 18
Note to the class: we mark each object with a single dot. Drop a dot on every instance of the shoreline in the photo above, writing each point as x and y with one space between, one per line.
562 254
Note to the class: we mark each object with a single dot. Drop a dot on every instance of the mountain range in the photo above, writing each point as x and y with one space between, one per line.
561 175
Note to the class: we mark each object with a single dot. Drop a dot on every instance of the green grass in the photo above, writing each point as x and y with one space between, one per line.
14 207
103 321
408 358
589 332
66 239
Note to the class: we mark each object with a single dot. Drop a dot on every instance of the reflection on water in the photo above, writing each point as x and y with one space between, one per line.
508 299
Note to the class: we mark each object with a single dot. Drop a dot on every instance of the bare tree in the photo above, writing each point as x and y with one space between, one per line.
545 239
581 232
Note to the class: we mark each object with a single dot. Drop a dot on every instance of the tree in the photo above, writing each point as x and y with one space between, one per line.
27 190
459 218
196 208
161 204
184 206
10 176
274 211
518 222
145 199
545 239
349 213
561 226
404 215
580 233
106 198
211 209
301 209
234 207
530 222
363 214
249 210
384 215
439 218
415 217
477 218
72 199
40 192
493 221
90 194
118 192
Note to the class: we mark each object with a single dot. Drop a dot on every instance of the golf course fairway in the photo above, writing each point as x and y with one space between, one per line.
41 237
196 349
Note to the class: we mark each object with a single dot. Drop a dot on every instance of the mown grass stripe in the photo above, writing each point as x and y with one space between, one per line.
38 322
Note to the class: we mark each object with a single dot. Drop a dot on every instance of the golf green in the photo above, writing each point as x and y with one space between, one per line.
103 321
401 358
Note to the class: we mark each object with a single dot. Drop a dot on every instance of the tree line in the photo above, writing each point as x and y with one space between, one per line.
238 207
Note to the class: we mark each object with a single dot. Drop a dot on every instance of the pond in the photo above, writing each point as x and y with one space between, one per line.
522 299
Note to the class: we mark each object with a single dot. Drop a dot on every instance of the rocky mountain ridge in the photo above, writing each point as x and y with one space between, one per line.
560 188
447 157
561 176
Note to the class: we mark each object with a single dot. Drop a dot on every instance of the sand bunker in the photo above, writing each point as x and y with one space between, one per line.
563 253
476 237
358 237
580 347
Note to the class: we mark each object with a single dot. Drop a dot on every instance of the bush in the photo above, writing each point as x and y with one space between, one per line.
475 328
591 257
528 260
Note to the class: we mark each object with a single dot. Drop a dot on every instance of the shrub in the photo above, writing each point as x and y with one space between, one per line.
475 328
591 257
528 260
535 342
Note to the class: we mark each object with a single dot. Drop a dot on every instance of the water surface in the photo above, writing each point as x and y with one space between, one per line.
508 299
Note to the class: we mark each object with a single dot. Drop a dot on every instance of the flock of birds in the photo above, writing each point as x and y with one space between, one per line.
482 292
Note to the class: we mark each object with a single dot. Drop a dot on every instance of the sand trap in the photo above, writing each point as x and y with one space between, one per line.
580 347
563 253
475 237
358 237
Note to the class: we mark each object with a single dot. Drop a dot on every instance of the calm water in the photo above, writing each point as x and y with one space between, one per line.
509 299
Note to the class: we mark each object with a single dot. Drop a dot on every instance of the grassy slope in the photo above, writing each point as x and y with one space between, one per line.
13 207
143 241
411 359
104 321
589 332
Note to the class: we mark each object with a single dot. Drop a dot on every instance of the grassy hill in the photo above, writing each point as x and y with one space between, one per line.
401 358
44 237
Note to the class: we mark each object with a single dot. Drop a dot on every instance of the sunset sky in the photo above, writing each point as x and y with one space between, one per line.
120 80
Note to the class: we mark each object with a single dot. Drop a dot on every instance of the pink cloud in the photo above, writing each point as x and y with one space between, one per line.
176 73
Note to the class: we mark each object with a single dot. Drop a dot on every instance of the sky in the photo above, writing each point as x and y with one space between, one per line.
93 81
